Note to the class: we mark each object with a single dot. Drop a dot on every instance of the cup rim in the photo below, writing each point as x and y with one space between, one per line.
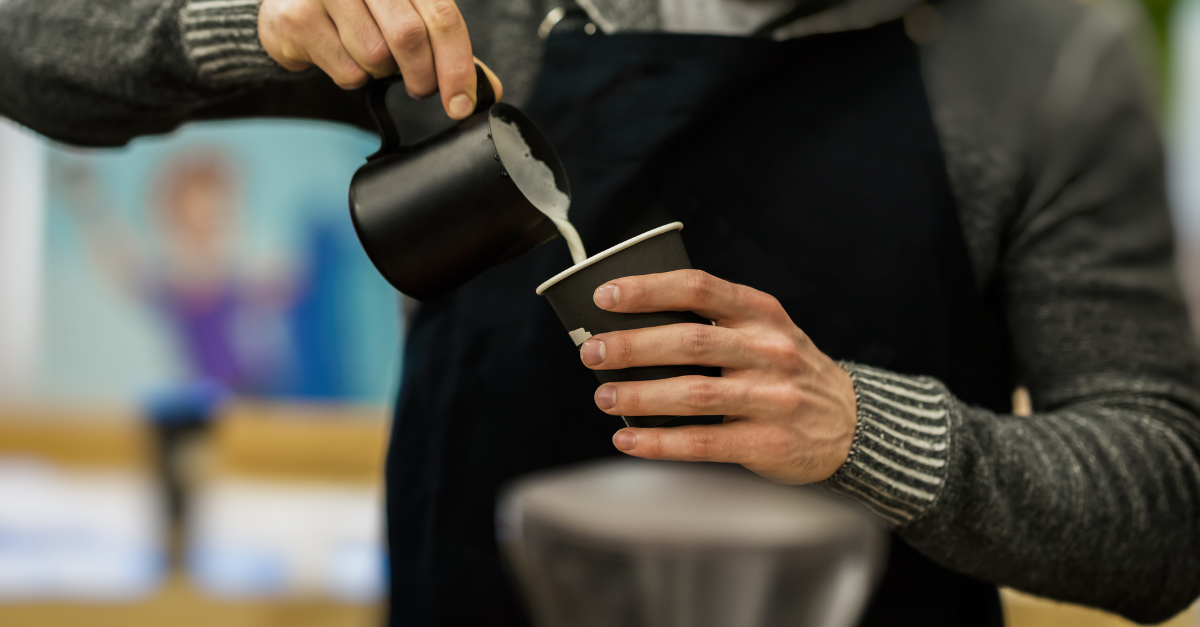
674 226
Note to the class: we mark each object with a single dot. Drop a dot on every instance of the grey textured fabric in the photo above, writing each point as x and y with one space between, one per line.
1057 170
899 458
220 37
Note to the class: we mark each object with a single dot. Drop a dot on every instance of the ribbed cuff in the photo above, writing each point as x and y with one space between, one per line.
900 456
221 41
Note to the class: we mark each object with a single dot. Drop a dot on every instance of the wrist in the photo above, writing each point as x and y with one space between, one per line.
220 40
898 460
844 428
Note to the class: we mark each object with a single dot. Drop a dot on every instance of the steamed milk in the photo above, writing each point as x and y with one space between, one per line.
535 179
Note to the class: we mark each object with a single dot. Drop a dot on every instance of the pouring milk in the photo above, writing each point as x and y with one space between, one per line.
535 179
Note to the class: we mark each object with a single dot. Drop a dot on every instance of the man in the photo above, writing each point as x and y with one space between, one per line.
946 220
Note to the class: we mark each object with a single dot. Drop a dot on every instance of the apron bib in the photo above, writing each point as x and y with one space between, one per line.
809 169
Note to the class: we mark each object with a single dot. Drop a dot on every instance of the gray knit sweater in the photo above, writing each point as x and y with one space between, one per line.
1057 167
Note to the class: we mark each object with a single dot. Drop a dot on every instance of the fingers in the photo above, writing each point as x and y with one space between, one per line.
671 345
324 48
453 61
426 40
408 39
299 34
361 37
687 290
680 396
731 442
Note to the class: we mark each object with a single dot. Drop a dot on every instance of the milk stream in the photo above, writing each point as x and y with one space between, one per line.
535 179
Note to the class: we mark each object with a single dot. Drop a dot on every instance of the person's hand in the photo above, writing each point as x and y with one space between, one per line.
790 411
351 40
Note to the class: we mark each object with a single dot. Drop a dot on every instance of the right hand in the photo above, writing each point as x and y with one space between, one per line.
352 40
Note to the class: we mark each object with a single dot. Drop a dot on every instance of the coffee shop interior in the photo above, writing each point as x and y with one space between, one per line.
167 460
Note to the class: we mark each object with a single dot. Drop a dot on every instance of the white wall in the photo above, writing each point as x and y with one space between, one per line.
22 199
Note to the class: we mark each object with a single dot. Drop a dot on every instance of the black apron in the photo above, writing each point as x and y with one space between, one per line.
809 169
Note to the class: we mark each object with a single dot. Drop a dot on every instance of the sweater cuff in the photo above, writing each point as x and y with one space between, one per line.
900 456
220 38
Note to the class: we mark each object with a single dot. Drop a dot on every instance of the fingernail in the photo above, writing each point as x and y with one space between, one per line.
592 352
624 440
607 296
606 397
461 106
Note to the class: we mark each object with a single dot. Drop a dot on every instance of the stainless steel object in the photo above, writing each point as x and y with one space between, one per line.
630 543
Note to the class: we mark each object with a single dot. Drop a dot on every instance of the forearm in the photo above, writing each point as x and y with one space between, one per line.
1073 504
102 72
1093 498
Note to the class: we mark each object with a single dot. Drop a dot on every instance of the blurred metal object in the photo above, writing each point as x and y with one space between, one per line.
659 544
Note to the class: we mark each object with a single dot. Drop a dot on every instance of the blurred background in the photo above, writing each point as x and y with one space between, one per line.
196 361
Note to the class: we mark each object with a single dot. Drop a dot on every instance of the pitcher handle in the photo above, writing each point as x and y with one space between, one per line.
385 119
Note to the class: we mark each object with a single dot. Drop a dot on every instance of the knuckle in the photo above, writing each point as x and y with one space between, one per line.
459 74
766 301
290 56
378 53
420 88
699 341
776 443
786 394
769 304
702 394
781 353
652 443
629 400
700 286
698 444
409 35
295 14
350 76
444 17
633 291
786 399
625 351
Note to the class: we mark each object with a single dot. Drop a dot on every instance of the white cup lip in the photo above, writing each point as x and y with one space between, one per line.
674 226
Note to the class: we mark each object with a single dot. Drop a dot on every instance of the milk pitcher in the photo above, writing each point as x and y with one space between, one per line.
433 214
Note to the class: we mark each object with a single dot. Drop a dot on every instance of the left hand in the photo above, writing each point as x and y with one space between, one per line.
790 411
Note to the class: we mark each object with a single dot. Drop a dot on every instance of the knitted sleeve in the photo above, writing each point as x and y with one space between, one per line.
1095 497
101 72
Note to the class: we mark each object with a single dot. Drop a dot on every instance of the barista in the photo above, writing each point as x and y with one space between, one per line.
898 213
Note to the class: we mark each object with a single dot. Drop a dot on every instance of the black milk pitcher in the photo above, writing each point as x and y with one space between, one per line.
433 214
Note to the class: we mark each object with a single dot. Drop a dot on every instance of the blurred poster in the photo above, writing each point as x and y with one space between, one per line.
223 254
72 534
244 541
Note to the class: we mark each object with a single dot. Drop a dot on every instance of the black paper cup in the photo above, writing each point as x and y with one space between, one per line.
570 293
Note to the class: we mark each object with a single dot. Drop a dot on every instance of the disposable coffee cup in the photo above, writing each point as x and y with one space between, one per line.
570 293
